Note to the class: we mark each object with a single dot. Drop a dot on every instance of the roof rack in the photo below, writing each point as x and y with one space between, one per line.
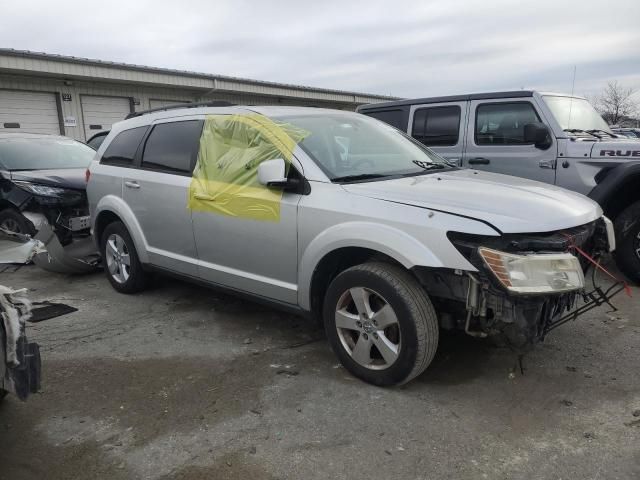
216 103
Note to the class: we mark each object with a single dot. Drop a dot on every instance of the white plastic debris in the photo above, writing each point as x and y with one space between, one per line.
18 248
15 309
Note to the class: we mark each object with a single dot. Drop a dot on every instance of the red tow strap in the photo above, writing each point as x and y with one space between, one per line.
572 245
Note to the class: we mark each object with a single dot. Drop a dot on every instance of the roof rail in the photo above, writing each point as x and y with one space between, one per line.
215 103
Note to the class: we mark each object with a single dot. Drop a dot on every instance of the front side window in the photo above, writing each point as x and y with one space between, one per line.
437 126
44 153
173 147
503 123
122 149
351 147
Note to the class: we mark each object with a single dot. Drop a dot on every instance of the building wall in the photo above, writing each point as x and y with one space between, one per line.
140 95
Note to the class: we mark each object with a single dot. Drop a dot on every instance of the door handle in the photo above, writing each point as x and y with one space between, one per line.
547 163
131 184
479 161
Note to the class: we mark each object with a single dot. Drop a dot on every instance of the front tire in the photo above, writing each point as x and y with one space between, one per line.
14 221
627 254
380 323
120 259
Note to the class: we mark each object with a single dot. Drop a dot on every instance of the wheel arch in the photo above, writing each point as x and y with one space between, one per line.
112 208
345 245
618 189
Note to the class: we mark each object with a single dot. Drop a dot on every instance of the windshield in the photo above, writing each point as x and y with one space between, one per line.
41 153
356 147
575 113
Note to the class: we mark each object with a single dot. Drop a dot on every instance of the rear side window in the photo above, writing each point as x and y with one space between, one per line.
437 126
395 118
503 123
122 149
173 147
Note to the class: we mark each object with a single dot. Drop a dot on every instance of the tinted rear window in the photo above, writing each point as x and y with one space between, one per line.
173 147
122 149
437 126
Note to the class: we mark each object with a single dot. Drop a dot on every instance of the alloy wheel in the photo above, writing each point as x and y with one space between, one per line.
118 259
368 328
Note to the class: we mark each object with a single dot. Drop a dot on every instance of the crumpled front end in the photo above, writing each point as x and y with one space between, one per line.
525 284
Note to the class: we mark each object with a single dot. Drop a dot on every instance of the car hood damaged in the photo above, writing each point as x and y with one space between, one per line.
509 204
73 178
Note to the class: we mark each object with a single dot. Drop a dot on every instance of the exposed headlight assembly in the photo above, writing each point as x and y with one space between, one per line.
42 190
47 195
534 273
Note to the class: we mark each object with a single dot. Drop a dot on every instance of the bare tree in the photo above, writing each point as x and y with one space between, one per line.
616 103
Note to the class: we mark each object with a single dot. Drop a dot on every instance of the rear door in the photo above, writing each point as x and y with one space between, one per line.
440 127
495 140
157 192
99 113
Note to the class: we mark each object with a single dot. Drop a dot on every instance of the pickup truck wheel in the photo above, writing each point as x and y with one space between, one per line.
627 254
120 259
16 222
380 323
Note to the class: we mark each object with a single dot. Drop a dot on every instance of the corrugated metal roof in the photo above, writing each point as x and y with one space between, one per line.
184 73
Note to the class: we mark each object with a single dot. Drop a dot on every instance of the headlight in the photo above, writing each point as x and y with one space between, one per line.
535 273
42 190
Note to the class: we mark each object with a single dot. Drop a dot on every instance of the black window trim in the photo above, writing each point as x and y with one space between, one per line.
433 107
143 145
131 164
475 123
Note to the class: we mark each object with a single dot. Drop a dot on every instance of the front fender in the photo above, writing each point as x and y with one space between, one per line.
395 243
117 206
614 179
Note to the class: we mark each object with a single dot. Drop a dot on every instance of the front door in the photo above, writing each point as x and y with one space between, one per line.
495 140
245 233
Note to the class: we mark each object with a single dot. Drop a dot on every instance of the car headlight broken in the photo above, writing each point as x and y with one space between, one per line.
534 273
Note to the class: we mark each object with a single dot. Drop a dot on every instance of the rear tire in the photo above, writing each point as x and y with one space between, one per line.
14 221
380 323
627 254
120 259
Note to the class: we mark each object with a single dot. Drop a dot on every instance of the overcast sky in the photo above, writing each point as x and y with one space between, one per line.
402 48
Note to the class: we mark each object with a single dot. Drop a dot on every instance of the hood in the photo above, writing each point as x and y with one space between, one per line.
510 204
65 178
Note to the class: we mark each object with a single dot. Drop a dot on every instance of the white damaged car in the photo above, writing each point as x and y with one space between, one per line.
346 219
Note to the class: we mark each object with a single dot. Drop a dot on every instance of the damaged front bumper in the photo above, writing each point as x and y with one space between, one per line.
20 366
489 302
46 251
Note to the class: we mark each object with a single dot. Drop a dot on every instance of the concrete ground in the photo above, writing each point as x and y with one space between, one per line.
181 382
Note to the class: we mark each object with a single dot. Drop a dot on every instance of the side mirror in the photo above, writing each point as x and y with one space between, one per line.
271 173
537 134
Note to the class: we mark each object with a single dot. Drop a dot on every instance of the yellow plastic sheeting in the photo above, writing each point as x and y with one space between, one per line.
225 179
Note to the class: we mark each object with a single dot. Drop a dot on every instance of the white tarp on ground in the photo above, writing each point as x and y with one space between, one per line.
15 309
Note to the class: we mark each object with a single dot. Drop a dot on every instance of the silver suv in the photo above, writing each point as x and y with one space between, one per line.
343 218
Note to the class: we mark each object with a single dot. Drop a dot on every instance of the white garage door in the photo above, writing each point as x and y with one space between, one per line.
99 113
32 112
157 103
